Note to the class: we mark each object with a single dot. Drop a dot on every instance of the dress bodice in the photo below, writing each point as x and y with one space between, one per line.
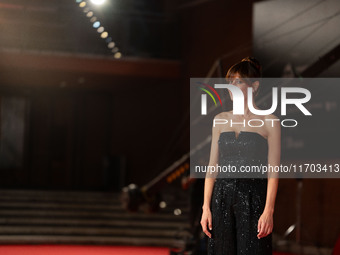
247 149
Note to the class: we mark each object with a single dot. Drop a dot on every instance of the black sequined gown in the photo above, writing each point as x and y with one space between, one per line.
237 203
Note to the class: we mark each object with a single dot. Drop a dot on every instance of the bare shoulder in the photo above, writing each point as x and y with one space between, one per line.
271 117
219 119
273 125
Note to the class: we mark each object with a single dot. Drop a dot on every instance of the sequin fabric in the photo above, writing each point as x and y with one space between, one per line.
237 203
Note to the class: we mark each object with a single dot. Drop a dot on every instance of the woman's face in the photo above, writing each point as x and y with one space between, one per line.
237 81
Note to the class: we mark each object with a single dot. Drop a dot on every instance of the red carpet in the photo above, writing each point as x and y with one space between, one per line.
85 250
80 250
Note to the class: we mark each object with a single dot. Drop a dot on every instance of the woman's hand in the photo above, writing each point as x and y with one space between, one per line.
206 221
265 224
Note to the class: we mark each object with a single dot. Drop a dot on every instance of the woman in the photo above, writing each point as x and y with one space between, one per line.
238 212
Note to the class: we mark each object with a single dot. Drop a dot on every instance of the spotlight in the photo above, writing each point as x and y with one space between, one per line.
97 2
117 55
111 45
177 211
96 24
104 35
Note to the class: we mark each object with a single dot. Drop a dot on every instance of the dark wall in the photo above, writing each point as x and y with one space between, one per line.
65 140
147 125
212 29
209 31
93 138
68 139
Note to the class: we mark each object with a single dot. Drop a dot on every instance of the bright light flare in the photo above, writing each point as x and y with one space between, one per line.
98 2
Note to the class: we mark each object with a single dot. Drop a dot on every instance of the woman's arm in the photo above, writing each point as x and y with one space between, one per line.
210 177
265 225
274 158
209 182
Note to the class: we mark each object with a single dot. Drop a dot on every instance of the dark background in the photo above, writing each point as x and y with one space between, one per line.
76 117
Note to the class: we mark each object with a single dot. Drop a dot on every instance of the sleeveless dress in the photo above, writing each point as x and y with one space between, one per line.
237 203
